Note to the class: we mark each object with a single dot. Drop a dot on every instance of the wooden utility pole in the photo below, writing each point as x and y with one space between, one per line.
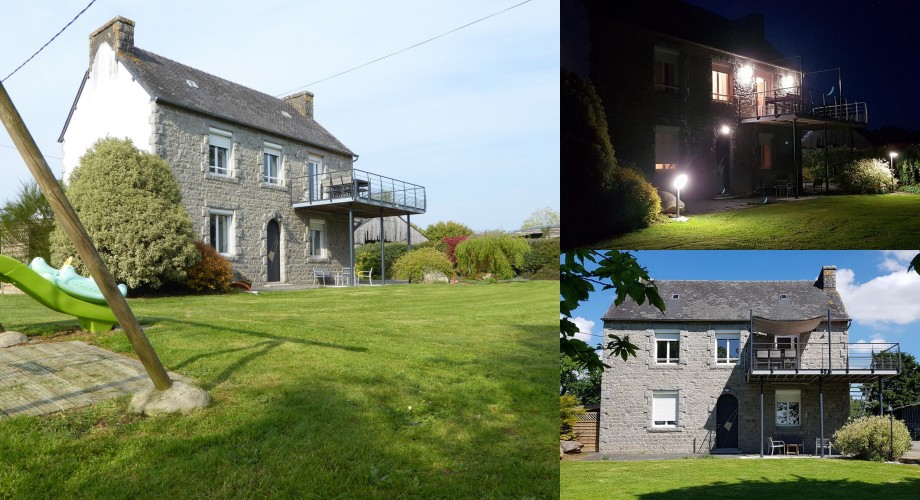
65 213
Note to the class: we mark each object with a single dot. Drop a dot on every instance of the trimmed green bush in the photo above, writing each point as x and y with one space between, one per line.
495 254
368 256
212 273
414 265
543 260
870 175
869 438
446 229
129 203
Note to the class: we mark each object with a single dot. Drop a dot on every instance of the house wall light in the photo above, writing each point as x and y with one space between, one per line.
788 82
746 74
725 129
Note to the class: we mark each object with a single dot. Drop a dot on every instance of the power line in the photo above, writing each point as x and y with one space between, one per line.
46 156
49 41
405 49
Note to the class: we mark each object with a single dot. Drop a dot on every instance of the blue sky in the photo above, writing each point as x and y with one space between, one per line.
878 292
472 116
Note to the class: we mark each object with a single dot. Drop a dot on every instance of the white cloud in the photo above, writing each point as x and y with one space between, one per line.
585 330
890 298
896 260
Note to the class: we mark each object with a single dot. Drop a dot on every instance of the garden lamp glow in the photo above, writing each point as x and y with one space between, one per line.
679 182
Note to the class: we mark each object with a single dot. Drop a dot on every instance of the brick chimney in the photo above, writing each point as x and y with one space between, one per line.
827 280
302 102
118 33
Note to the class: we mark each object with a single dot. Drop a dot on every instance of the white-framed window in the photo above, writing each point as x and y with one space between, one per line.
315 172
219 151
788 407
271 163
728 347
317 238
666 69
221 230
664 408
667 147
787 342
667 347
721 82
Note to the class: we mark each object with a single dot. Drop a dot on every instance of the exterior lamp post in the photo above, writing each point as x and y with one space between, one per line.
679 182
890 435
893 155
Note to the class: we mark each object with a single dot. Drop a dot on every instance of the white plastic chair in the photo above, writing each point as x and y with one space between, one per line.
827 446
774 444
364 274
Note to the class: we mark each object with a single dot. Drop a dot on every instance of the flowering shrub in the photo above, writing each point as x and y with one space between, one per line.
413 265
870 175
212 273
869 438
450 244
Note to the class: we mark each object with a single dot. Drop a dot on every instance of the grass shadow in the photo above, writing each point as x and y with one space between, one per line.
800 487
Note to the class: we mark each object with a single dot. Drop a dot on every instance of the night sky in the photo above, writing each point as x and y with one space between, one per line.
876 44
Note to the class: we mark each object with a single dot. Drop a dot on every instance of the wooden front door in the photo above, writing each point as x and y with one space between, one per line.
727 422
274 251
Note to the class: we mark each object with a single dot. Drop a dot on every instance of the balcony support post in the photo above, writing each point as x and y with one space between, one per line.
408 233
383 265
351 244
881 396
821 411
761 416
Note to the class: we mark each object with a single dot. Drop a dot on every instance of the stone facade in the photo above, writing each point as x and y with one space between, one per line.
181 137
627 391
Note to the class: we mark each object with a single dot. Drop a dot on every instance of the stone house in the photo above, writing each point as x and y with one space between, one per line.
687 91
730 364
264 183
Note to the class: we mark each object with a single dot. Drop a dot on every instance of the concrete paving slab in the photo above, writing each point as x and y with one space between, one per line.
36 379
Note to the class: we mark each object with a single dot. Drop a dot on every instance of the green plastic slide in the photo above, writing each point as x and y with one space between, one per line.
93 317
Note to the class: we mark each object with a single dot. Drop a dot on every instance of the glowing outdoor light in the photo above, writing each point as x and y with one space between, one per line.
679 182
746 74
725 130
788 81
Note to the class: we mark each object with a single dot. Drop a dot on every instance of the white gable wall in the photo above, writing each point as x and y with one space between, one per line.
111 104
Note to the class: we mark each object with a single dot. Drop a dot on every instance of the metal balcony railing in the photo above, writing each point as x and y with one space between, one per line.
838 356
799 100
360 186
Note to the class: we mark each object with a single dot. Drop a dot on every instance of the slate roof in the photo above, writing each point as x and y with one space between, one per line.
165 80
733 301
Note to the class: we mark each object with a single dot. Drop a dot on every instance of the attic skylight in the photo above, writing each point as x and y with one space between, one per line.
782 296
675 296
286 114
191 83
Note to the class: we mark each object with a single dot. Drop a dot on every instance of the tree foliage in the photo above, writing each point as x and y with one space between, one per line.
414 265
543 217
600 197
568 415
899 391
129 203
577 381
367 257
446 229
493 253
618 270
26 224
213 273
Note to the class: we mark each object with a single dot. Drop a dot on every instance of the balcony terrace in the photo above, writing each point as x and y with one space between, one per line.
806 362
366 194
797 103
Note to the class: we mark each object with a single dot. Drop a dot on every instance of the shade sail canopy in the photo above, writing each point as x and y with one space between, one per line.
785 326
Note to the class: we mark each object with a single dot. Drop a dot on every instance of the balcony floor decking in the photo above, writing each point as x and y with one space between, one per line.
853 376
361 207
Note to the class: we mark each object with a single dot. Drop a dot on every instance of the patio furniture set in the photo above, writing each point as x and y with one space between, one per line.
796 446
346 277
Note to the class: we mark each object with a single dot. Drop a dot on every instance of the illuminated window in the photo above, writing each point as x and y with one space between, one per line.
667 147
721 83
666 70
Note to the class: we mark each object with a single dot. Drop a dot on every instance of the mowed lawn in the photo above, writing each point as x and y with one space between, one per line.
880 222
739 478
371 392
